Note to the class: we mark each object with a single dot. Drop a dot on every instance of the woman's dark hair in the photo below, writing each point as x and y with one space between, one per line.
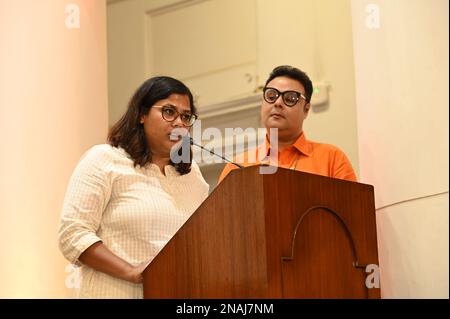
128 133
294 74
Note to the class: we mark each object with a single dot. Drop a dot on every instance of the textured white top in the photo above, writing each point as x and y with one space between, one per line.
134 211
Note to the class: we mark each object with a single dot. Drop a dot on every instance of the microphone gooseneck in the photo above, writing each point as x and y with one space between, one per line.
191 140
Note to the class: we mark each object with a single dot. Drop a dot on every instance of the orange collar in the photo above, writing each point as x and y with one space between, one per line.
301 144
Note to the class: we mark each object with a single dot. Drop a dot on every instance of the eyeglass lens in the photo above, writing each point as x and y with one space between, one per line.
170 114
290 98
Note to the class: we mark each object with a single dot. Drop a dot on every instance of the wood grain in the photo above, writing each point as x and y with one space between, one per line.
256 236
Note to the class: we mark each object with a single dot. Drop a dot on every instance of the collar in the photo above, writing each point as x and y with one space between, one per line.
169 170
301 144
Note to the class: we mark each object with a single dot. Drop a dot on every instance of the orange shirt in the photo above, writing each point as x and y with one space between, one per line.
303 155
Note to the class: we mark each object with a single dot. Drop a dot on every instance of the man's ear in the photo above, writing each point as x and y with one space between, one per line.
306 108
141 120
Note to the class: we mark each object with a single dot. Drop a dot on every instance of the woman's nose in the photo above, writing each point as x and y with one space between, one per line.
177 122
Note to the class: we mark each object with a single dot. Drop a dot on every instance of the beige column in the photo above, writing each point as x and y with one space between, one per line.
401 65
53 107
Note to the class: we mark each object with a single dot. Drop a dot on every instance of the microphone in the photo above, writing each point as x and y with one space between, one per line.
192 142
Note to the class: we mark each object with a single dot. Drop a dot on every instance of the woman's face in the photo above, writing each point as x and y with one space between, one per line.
158 130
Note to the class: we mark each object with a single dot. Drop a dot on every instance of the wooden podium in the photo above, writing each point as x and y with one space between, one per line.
284 235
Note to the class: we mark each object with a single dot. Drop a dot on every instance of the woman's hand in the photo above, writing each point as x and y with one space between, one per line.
100 258
135 273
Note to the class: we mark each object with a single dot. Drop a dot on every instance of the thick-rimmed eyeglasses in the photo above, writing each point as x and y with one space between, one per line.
290 98
170 114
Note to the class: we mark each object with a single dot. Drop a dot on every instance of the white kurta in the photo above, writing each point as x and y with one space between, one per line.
134 211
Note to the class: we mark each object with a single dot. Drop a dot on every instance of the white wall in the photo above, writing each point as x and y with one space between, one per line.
401 67
126 70
316 36
53 106
126 40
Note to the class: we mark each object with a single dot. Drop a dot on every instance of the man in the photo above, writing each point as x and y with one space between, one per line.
286 103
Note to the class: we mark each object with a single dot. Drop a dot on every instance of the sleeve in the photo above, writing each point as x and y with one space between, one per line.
342 167
86 198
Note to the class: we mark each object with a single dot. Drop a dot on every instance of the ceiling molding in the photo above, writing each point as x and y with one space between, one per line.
109 2
230 106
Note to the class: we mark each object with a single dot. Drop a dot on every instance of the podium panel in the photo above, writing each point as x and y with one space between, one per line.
284 235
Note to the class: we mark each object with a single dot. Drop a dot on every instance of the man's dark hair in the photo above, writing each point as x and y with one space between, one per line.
294 74
128 133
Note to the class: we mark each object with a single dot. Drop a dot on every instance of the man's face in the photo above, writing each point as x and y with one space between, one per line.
288 119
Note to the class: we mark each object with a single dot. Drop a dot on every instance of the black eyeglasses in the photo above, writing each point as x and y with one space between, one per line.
170 114
290 98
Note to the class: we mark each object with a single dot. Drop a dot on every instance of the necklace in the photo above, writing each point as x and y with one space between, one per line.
294 164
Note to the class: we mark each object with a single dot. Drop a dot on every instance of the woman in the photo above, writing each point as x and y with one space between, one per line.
126 199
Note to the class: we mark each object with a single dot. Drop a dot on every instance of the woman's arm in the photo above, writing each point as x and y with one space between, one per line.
100 258
87 196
